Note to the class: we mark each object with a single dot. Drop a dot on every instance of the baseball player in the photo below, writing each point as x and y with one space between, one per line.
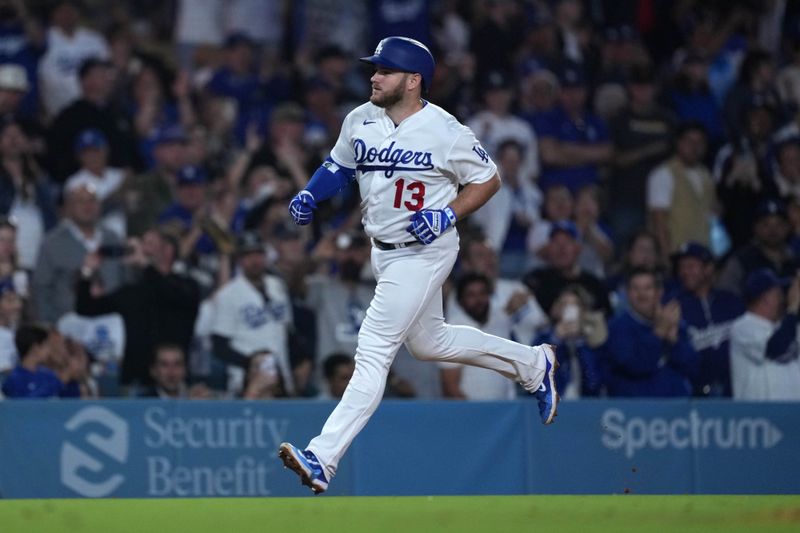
409 157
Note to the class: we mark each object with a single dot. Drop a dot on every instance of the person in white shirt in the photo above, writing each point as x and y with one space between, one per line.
10 312
475 309
68 46
508 216
522 311
765 340
91 148
252 316
496 124
681 198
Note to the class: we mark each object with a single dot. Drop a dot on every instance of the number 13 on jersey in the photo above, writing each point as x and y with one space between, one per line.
409 194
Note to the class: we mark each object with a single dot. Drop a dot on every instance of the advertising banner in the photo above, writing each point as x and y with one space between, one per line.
163 449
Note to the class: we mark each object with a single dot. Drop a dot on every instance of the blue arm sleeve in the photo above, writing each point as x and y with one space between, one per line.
329 179
779 342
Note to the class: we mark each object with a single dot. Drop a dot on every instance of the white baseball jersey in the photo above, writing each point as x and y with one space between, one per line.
253 323
416 165
753 376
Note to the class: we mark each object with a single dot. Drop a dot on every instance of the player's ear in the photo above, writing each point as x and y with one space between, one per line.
414 80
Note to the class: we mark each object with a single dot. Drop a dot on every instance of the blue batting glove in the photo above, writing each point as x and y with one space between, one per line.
428 224
302 208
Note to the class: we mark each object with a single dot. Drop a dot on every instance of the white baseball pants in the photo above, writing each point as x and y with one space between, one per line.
407 307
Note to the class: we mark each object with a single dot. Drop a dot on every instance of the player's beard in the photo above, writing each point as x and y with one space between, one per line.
387 99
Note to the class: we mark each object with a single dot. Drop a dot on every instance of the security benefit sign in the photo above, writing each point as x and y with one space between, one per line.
144 448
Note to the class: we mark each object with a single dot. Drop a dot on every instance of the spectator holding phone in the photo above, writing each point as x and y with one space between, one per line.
63 251
263 380
578 334
159 307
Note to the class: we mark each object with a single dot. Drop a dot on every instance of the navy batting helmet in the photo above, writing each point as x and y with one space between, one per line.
405 54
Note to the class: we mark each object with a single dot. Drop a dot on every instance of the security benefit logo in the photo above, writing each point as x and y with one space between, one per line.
94 452
226 455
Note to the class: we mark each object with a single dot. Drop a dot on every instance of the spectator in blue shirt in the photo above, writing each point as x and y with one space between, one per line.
237 79
578 333
187 212
572 141
709 314
691 98
649 352
30 378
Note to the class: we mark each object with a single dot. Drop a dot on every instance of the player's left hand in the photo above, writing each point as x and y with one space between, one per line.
428 224
301 208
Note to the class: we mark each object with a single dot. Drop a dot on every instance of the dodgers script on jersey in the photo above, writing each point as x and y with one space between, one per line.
416 165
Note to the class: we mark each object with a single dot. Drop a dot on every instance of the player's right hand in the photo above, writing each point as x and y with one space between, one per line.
302 208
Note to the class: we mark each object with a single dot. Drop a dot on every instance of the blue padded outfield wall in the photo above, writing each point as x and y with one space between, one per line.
142 448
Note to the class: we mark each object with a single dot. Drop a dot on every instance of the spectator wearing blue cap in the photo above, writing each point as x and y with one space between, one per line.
91 147
709 314
768 249
563 268
649 352
159 98
681 199
147 195
573 143
188 210
765 340
584 210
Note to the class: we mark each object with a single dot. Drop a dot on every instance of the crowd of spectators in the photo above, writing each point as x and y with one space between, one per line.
648 224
